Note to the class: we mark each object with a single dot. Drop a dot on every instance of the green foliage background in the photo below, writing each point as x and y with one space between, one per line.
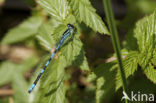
42 31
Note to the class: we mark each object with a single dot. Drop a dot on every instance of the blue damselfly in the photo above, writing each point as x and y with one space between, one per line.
69 31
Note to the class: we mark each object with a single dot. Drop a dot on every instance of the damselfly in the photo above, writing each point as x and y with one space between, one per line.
63 38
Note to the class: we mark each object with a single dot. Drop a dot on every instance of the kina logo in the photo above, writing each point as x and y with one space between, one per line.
138 96
125 96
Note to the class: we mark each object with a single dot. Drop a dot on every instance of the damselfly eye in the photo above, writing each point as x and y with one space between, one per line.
70 26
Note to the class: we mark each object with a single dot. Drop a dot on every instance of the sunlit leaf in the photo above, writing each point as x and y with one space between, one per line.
35 95
52 86
145 33
8 69
44 36
72 49
145 29
6 72
105 83
84 65
84 11
130 64
57 8
20 87
150 72
14 73
58 31
26 29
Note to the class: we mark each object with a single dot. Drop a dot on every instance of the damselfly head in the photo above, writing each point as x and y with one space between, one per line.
70 26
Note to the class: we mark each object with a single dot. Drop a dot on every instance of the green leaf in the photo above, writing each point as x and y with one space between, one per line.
6 72
145 33
73 51
105 83
150 72
62 27
147 54
100 91
72 48
58 31
20 87
145 29
91 77
52 87
14 73
131 42
153 60
84 11
130 64
84 65
26 29
57 8
35 95
8 69
44 36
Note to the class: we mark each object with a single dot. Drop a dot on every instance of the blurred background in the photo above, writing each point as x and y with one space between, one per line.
13 12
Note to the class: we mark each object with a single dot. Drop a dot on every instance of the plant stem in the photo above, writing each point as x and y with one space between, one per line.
115 40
